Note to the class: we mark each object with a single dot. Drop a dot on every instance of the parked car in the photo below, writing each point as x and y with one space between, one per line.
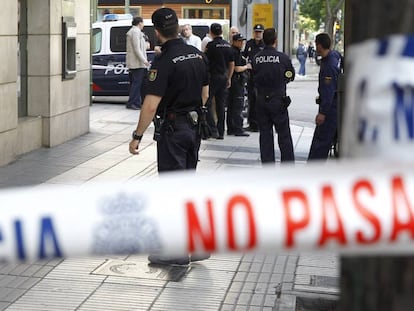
109 72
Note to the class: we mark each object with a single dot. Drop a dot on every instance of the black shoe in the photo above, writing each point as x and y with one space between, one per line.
133 107
245 134
230 133
199 257
220 137
164 260
251 129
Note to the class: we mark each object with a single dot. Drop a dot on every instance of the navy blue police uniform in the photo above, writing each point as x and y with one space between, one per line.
178 75
219 54
272 71
324 133
251 49
236 93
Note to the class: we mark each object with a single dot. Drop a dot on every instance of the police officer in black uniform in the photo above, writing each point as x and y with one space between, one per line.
253 46
272 70
176 88
326 119
221 66
236 92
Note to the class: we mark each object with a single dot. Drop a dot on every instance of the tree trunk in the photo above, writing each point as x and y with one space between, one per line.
377 283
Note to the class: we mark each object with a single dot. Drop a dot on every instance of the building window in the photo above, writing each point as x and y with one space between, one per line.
102 10
203 12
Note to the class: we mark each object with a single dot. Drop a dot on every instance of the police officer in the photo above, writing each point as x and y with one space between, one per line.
236 92
176 87
326 119
221 66
272 70
253 46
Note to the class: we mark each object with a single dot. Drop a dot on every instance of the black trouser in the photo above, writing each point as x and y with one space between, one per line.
273 113
178 146
251 110
235 106
323 137
218 91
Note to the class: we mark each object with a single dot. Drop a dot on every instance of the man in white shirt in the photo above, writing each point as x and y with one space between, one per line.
190 38
136 61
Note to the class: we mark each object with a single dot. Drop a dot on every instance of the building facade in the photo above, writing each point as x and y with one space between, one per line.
45 75
215 9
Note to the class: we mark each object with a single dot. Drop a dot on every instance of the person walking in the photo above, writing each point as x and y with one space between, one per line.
326 119
311 52
190 38
272 70
253 46
236 92
176 89
221 66
136 61
301 55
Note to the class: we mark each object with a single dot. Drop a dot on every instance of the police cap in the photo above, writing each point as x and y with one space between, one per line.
238 37
258 27
164 18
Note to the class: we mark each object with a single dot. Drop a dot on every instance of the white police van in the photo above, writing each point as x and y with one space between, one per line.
109 72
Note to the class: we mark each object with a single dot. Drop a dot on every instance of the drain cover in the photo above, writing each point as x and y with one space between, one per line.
137 269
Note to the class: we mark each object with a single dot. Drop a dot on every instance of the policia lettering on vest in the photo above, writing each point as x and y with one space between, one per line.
175 91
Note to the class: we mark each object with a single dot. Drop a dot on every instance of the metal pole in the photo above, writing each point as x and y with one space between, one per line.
126 6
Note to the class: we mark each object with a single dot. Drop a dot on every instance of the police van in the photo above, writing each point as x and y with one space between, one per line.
109 72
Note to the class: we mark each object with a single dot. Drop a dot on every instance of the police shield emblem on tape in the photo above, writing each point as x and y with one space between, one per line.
379 109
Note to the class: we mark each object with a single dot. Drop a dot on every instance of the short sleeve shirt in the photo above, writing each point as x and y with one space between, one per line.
177 75
219 53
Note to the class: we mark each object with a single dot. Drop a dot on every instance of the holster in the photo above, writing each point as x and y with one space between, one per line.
204 129
286 101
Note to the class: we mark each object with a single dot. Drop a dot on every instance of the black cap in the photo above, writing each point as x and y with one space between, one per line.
238 37
216 29
258 27
164 18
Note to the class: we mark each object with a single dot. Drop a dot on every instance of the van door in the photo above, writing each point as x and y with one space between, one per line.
110 74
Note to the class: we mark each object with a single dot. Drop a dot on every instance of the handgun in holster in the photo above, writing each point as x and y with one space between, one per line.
158 123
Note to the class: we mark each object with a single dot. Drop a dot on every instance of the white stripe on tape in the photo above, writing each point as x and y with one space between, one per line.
350 207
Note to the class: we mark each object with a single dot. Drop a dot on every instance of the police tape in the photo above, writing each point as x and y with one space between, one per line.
354 207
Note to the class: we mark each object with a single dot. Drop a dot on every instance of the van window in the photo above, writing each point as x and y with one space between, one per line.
200 31
96 40
118 38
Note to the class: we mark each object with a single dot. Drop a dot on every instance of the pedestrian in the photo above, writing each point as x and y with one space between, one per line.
176 89
136 61
233 31
221 67
190 38
311 52
301 55
272 70
207 38
253 46
326 119
236 92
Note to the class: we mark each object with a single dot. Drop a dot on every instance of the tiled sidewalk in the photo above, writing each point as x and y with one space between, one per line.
224 282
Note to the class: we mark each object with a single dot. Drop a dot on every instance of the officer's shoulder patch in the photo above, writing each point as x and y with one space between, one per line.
328 80
288 74
152 75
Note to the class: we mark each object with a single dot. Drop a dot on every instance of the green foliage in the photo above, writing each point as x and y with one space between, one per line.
321 11
313 9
